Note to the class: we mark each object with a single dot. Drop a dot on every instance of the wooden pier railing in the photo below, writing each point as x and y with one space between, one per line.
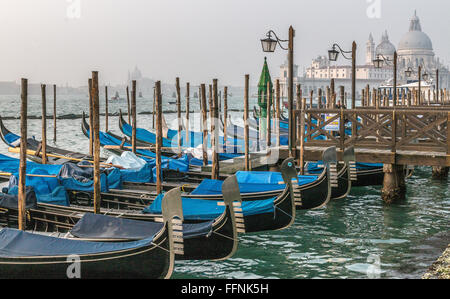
404 135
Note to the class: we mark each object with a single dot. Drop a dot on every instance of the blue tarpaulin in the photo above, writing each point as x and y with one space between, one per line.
198 209
16 243
250 182
94 226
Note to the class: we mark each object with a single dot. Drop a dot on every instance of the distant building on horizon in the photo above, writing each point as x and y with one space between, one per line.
415 48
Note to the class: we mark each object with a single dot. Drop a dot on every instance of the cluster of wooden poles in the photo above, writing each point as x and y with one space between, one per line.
375 98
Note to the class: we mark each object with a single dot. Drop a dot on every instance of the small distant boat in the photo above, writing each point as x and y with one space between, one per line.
116 97
140 94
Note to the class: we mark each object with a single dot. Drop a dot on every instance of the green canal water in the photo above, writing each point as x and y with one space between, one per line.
357 237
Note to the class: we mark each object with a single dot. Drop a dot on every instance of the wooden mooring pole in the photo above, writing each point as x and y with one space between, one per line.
106 109
23 155
278 112
133 114
188 134
180 125
91 117
215 133
54 112
96 134
44 125
246 130
269 120
225 114
129 106
158 136
205 125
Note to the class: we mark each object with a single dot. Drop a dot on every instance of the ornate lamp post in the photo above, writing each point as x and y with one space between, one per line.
425 76
333 56
378 63
269 45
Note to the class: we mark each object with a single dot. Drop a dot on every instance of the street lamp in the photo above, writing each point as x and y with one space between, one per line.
425 76
408 72
333 56
378 63
269 45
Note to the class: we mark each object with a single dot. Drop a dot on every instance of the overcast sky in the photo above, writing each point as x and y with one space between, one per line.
62 41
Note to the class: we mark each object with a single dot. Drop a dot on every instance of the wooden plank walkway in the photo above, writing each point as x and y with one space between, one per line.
370 155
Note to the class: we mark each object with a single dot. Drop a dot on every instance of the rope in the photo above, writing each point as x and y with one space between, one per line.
290 216
230 238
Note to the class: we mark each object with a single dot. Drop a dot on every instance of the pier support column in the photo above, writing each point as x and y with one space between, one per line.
440 173
394 187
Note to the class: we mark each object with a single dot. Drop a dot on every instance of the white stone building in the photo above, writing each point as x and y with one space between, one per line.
415 48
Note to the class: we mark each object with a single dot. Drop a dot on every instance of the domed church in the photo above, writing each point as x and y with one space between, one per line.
415 49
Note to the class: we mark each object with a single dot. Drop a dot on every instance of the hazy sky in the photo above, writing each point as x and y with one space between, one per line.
59 41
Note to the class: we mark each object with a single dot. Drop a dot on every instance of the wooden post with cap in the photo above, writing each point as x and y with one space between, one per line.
215 133
188 134
158 136
106 108
96 134
246 130
23 155
44 124
133 113
225 114
205 125
91 117
180 126
129 106
54 112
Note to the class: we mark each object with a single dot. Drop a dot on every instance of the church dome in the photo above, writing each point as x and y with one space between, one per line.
415 38
385 48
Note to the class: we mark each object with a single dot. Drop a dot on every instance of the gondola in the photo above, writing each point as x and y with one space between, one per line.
314 194
116 201
364 174
61 156
147 138
276 213
236 132
211 240
254 123
346 175
37 256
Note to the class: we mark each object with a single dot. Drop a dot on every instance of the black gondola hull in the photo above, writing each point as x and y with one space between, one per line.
147 262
